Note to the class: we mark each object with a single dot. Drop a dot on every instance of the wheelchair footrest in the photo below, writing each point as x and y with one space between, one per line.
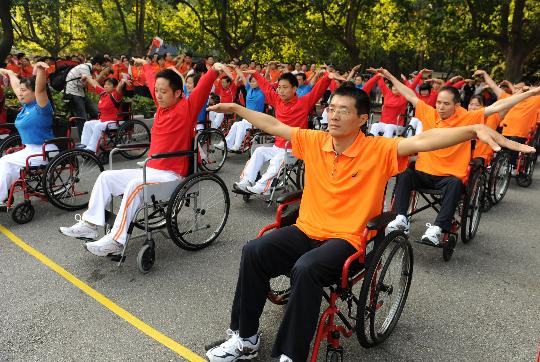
117 258
236 190
440 245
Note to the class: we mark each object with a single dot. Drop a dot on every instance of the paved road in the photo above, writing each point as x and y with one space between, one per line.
483 305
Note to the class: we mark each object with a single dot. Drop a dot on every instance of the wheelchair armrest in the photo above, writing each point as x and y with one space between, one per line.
133 146
10 126
57 140
172 154
380 221
73 120
291 196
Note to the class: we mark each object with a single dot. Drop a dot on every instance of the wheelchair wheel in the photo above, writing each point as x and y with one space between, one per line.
198 210
70 177
132 132
10 141
300 170
449 246
499 177
472 207
23 212
384 290
211 158
146 257
333 355
524 179
280 288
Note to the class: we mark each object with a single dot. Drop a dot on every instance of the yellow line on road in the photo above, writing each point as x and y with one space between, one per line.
106 302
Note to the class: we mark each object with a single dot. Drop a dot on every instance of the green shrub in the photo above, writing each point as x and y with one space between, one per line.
142 105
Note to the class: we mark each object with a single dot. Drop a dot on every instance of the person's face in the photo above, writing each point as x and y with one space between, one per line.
154 57
165 95
210 61
285 90
25 94
436 85
445 105
424 93
304 68
474 105
252 65
298 67
125 61
224 83
273 66
190 85
161 62
258 68
313 67
244 67
187 59
168 57
358 80
300 81
108 87
253 82
343 119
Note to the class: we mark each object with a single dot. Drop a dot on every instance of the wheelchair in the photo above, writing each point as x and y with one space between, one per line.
289 178
211 159
194 210
66 180
468 212
385 268
10 137
526 163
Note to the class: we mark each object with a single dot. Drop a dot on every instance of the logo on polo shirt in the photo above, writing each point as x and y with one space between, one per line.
354 174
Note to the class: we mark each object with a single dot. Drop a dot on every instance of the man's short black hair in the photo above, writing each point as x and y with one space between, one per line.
227 78
189 54
425 87
289 77
113 81
98 59
303 75
456 97
161 57
175 80
361 99
479 98
196 77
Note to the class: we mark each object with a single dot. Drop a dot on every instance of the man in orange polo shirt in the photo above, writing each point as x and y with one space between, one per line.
346 174
442 169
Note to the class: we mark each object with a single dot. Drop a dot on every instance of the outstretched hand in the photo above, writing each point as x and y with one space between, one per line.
218 67
138 61
42 65
496 140
222 108
372 70
336 76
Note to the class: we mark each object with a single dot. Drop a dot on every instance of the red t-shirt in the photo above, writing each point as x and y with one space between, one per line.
295 112
394 105
174 127
108 111
226 95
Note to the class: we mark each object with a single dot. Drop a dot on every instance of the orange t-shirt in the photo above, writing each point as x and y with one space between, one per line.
521 118
15 68
450 161
274 75
343 192
170 63
483 149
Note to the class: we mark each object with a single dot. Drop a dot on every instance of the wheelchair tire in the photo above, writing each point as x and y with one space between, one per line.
215 158
280 289
524 179
448 248
392 259
499 177
131 132
300 170
146 257
246 197
334 356
69 178
23 213
471 212
10 141
194 217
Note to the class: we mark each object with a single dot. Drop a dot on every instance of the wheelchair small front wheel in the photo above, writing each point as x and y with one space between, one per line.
524 179
384 289
23 213
280 289
448 248
499 177
146 257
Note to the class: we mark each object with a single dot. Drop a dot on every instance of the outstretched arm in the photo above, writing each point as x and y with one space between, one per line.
402 88
353 72
508 102
259 120
437 138
41 84
14 81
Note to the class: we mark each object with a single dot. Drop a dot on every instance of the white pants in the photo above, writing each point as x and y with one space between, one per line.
11 165
388 130
216 118
273 154
237 133
417 125
117 182
92 133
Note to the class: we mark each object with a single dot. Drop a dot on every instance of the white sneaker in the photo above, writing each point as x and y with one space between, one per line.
81 230
399 223
234 349
243 185
284 358
433 235
258 189
219 145
104 246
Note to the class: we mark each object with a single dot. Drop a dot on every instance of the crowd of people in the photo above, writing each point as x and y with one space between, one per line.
346 169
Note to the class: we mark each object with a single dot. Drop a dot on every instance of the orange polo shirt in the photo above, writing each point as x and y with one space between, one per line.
483 149
521 118
450 161
343 192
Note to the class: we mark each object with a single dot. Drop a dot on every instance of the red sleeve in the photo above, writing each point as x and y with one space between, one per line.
269 93
316 92
458 84
382 85
370 83
416 81
197 99
117 96
98 89
150 77
407 83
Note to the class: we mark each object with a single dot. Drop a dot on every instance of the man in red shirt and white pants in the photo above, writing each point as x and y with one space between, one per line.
173 130
291 110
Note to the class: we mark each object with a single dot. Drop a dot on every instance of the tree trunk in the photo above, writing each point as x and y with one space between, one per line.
514 59
7 29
